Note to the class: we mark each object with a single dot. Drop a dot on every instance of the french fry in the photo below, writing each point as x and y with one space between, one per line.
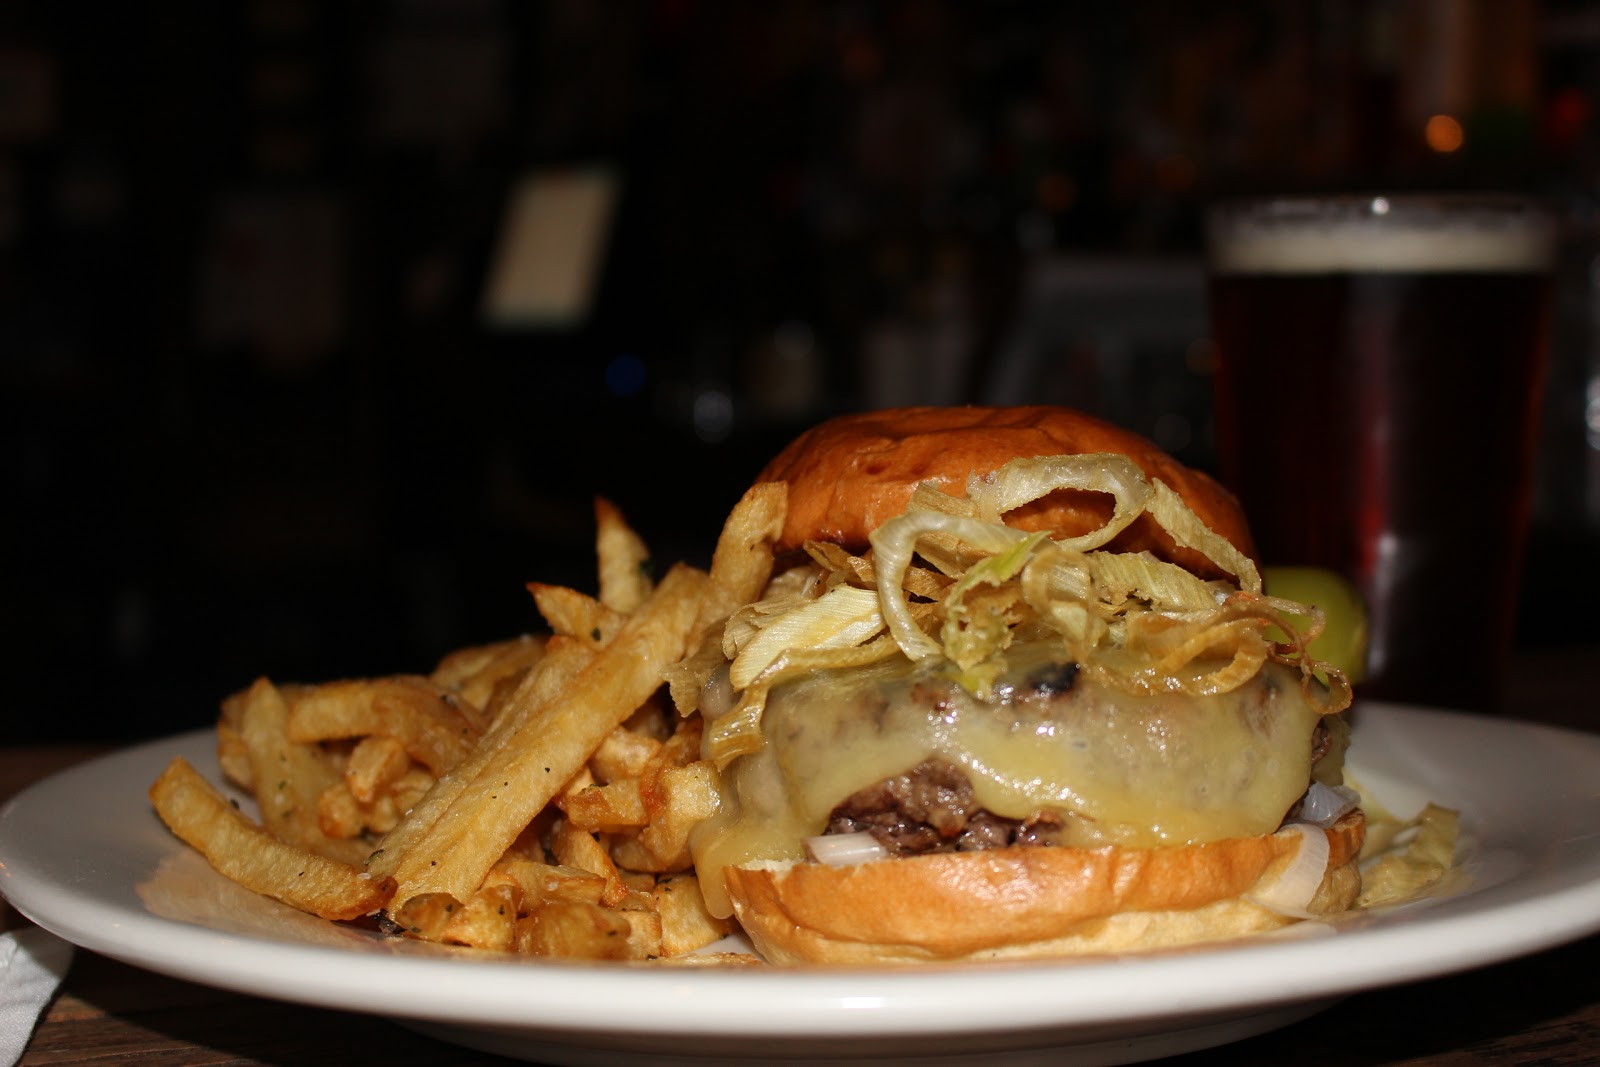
428 720
288 778
686 925
533 795
459 666
552 745
683 747
426 915
681 798
573 847
643 883
624 558
257 859
564 660
549 882
499 698
582 930
607 808
627 791
406 791
624 753
473 672
571 613
514 659
741 566
575 785
644 933
741 563
340 815
233 755
574 930
376 763
488 919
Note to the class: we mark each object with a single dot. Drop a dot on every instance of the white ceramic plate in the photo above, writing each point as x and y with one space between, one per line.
83 855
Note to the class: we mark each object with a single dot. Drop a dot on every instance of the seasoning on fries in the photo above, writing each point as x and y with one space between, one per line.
532 795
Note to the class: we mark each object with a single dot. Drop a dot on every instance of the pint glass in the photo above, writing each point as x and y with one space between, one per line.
1380 361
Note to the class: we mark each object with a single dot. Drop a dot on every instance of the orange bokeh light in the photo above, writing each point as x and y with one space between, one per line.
1443 133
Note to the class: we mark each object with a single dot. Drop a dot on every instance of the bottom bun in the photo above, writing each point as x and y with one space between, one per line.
1026 902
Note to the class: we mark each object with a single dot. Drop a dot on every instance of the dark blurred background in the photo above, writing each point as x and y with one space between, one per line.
268 410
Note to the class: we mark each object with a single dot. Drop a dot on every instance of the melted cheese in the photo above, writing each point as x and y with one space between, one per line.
1137 771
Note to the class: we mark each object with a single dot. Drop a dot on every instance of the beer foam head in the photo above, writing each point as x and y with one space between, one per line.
1390 234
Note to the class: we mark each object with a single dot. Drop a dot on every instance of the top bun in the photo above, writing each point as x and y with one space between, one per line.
848 475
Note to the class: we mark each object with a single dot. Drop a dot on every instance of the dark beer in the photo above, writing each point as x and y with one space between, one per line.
1377 396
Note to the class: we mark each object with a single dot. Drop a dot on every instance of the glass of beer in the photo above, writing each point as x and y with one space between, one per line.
1380 363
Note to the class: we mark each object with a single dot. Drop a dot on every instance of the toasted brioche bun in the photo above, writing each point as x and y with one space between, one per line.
1029 901
848 475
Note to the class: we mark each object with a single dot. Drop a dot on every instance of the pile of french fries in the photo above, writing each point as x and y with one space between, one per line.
529 796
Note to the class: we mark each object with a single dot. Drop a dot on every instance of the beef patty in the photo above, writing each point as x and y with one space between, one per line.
931 808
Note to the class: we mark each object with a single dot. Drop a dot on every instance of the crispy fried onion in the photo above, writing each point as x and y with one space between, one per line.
1129 620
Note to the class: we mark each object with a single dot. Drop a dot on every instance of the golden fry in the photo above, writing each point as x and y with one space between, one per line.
741 564
475 673
575 785
681 797
607 808
288 778
429 721
644 933
505 750
460 667
340 815
573 614
564 660
625 565
425 915
683 747
257 859
548 749
624 753
686 925
233 755
375 764
499 697
488 920
573 847
548 882
575 930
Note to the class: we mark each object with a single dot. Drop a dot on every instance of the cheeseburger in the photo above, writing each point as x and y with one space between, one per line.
1014 689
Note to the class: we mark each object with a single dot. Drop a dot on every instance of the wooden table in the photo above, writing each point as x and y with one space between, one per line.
1540 1010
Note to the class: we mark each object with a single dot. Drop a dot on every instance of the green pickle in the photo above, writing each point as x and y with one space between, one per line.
1343 641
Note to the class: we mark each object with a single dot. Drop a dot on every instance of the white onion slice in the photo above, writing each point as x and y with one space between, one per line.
844 850
1291 891
1325 805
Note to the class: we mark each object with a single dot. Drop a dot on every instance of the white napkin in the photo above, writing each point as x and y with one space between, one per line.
32 964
